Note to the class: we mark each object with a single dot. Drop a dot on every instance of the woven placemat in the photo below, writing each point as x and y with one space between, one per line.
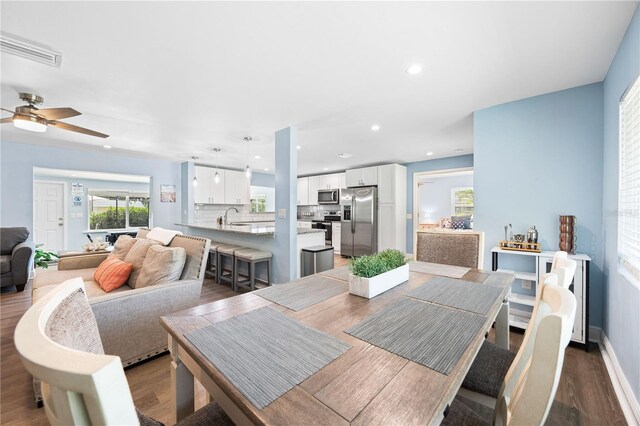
341 273
305 292
432 335
438 269
499 279
264 353
466 295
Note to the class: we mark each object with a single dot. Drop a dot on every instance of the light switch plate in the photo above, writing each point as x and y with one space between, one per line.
282 213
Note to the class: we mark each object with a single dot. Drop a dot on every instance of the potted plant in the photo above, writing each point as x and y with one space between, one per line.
43 258
377 273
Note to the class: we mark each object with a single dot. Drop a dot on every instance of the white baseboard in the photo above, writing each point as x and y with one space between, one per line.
628 401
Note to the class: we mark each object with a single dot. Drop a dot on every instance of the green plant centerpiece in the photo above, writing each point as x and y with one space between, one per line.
42 258
377 273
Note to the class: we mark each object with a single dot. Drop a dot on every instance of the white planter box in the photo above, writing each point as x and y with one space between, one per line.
371 287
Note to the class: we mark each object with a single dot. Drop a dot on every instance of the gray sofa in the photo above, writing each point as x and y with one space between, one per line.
16 257
129 319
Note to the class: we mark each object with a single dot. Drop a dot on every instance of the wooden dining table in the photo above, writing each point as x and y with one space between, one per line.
366 385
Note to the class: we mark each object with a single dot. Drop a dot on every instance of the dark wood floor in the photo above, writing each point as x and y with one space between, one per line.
585 395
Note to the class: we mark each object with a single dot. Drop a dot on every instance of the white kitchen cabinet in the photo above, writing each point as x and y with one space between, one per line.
336 229
366 176
202 192
391 178
315 183
522 304
236 187
331 181
342 180
207 191
303 192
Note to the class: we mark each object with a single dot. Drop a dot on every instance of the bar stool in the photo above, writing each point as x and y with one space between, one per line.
252 257
226 251
212 261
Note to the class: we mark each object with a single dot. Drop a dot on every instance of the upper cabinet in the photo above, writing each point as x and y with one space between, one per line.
366 176
236 187
342 180
303 192
232 187
315 183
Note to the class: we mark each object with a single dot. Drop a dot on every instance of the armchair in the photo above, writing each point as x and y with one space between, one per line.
16 257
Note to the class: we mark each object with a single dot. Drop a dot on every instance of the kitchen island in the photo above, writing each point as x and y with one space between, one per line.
257 235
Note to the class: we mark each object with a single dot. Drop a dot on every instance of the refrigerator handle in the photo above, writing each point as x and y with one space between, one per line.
353 214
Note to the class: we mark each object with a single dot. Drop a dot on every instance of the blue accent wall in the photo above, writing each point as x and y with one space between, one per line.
622 297
263 179
17 161
457 162
285 265
536 159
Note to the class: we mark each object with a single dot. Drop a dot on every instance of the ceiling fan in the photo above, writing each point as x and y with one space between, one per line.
29 117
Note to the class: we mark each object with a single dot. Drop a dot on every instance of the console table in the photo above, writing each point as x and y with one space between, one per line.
522 304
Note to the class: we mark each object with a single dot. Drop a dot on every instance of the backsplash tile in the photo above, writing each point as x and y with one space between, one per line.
208 213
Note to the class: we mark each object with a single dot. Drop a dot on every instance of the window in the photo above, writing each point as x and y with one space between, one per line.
258 203
462 201
629 184
117 209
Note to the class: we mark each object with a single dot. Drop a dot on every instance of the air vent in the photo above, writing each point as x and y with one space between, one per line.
30 51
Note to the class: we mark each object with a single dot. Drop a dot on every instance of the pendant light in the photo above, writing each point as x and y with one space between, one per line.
247 170
194 182
216 176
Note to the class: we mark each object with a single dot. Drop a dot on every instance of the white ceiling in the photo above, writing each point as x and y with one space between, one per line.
175 79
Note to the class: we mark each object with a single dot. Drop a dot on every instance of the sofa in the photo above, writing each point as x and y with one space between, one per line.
129 318
16 257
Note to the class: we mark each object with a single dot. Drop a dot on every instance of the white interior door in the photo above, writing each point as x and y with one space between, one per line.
48 215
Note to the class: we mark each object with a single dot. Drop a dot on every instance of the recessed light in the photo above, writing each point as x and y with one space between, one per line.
298 147
375 127
106 146
344 155
459 150
266 170
326 168
257 157
414 69
429 154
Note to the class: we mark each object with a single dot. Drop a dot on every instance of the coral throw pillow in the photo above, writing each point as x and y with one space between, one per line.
112 274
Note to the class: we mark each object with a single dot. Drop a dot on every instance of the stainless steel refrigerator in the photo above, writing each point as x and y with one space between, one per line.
359 230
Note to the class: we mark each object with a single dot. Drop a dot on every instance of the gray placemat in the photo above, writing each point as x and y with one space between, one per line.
499 279
432 335
470 296
341 273
438 269
302 293
264 353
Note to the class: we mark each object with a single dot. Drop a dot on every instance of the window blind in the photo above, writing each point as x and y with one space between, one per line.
629 184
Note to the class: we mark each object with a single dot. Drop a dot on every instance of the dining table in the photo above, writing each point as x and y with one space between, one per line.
366 384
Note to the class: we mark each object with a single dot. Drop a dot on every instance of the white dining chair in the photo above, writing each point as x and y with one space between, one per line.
564 268
530 384
58 342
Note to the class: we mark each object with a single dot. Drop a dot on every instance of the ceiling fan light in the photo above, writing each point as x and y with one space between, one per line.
33 124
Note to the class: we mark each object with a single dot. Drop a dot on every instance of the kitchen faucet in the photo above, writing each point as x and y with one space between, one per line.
227 212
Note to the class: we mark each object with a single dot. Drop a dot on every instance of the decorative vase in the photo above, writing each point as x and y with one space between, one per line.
371 287
567 234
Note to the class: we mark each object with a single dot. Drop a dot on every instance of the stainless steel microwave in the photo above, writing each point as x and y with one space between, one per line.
329 196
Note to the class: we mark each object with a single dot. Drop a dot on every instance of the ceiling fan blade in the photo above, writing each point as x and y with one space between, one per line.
8 110
77 129
56 113
6 120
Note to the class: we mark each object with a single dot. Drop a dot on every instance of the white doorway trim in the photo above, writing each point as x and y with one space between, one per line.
416 198
65 208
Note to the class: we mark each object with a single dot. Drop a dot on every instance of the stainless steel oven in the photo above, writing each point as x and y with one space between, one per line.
328 196
326 227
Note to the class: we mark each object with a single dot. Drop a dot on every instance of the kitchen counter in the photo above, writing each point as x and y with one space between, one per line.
248 228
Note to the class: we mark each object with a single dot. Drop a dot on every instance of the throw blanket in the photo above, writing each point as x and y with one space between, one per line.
163 236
